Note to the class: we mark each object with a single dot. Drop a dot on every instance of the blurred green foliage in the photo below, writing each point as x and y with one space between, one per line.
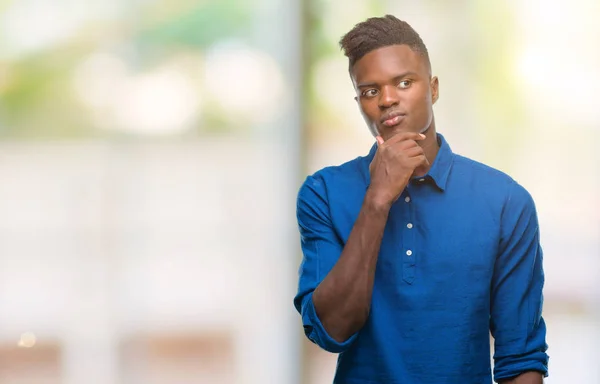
499 103
198 26
37 99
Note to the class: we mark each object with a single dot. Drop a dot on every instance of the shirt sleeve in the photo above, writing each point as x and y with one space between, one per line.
516 321
321 248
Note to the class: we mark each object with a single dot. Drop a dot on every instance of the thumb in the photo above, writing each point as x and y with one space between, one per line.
379 140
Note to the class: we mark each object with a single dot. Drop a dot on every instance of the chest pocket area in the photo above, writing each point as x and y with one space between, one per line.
465 254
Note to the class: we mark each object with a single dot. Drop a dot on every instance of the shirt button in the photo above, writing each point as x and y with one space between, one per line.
409 252
409 225
407 199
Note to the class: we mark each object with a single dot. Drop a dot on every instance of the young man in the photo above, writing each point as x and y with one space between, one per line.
413 254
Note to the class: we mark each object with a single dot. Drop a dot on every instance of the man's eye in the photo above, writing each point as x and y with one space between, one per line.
370 92
404 84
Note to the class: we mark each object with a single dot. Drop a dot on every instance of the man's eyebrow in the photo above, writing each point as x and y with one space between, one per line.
400 76
364 85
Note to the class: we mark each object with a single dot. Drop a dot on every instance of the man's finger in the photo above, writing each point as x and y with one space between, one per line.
414 151
402 136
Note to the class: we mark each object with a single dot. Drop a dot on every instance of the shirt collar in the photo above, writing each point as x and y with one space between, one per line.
439 171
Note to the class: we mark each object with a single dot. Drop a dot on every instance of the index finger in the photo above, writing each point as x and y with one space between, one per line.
402 136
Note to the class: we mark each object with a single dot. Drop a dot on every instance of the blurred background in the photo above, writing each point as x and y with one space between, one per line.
151 151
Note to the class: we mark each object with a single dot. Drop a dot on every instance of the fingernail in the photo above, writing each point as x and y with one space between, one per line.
422 135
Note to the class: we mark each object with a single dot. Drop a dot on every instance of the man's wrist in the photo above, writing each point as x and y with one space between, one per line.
530 377
377 202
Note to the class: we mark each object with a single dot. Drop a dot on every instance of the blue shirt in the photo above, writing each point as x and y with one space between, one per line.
460 257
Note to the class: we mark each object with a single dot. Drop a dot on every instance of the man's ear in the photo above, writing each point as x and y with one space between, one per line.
435 89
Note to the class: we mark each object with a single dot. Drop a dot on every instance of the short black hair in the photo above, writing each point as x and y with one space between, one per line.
379 32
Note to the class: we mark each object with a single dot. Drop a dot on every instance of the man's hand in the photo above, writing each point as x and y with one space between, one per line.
393 165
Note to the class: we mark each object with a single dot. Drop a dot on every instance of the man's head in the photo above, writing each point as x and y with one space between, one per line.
390 69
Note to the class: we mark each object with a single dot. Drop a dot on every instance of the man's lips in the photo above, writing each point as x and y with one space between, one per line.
393 118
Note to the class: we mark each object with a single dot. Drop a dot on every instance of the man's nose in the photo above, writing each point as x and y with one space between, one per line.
388 97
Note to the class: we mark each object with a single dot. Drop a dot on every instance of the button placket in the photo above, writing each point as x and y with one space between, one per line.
408 241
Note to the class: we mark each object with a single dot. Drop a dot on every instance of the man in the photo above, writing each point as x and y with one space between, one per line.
413 254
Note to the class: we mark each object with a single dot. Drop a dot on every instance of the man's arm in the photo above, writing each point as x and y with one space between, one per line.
516 295
335 302
343 299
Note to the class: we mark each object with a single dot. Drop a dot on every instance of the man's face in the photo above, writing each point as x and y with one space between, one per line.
395 90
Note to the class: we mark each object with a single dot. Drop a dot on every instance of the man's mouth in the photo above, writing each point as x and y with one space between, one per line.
392 119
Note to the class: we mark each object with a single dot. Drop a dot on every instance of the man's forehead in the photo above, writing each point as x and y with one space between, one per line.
390 60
